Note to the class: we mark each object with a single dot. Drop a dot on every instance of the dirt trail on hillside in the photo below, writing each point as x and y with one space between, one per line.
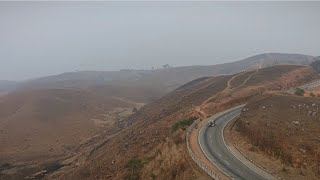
246 80
230 80
229 87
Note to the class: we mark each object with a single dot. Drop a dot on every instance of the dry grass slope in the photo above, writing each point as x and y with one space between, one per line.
293 139
41 126
148 137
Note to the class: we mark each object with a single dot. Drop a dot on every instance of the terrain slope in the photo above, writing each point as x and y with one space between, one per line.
284 128
38 126
152 144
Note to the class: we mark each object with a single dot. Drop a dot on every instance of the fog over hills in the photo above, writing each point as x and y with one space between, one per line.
70 115
153 90
161 80
7 85
36 41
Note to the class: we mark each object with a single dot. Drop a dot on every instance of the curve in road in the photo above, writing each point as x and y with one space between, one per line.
213 145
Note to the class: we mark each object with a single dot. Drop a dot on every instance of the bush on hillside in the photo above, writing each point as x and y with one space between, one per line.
299 92
134 166
183 124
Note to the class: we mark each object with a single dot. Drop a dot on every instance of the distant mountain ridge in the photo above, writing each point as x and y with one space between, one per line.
161 81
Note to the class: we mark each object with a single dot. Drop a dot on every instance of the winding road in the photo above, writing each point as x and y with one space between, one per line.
226 158
214 147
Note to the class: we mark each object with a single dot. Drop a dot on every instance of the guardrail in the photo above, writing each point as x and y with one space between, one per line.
194 158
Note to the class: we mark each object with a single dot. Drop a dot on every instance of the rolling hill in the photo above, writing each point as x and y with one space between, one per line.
161 81
47 125
70 119
154 136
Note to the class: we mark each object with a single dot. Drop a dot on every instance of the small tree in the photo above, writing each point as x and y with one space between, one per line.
166 66
312 94
299 92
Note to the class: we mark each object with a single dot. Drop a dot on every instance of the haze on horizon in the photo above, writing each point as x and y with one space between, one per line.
45 38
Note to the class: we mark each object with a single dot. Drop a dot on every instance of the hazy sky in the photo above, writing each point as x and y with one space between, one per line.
43 38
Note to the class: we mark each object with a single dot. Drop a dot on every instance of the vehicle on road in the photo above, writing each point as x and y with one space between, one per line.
212 123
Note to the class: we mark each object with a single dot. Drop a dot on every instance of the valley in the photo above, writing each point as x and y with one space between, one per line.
159 90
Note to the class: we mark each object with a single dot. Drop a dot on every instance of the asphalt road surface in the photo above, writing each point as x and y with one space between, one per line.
214 147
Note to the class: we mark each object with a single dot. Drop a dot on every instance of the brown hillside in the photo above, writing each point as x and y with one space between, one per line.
134 93
263 80
44 125
152 139
293 139
272 73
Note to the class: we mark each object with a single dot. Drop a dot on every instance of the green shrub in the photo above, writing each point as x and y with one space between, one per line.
299 92
183 124
134 166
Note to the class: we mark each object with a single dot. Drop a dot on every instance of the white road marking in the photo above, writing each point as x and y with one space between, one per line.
199 139
219 154
263 175
238 171
227 162
210 136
